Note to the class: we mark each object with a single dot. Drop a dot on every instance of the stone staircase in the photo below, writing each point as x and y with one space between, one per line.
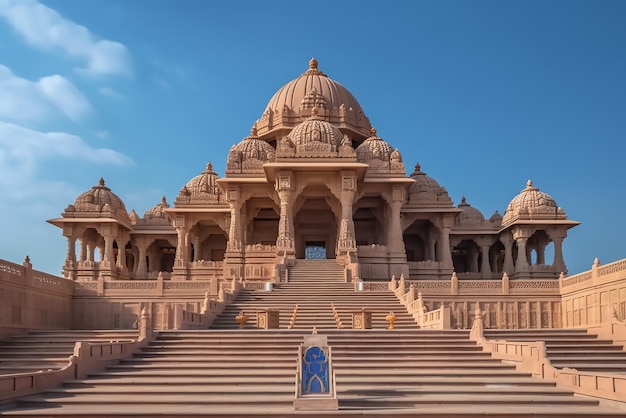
315 286
50 350
252 373
574 348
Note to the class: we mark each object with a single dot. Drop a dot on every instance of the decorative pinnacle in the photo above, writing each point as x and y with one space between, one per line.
313 64
209 166
463 200
314 111
373 132
164 200
253 131
529 184
418 167
101 182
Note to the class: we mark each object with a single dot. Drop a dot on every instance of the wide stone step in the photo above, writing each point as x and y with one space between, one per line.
374 397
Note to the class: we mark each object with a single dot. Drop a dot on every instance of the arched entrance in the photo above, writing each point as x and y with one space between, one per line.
315 225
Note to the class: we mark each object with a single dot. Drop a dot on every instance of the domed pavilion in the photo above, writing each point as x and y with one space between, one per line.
313 180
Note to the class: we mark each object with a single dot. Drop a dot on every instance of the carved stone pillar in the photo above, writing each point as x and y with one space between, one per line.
557 238
521 236
444 248
507 241
346 239
285 244
394 240
82 249
109 257
485 268
121 251
141 266
195 240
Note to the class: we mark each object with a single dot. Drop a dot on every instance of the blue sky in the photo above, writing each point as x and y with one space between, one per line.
483 94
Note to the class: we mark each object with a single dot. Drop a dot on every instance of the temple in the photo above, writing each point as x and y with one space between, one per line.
312 180
212 305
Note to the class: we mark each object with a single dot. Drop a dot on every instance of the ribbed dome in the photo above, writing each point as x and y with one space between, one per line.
470 215
315 129
293 102
249 155
427 190
531 203
373 148
99 199
157 211
201 189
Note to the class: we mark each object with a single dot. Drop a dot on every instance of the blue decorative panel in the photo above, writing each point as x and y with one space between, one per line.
315 371
315 251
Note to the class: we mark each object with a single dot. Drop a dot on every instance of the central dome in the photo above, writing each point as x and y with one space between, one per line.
293 103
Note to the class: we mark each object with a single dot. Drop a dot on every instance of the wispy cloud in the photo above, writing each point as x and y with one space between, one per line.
113 94
23 151
25 100
44 28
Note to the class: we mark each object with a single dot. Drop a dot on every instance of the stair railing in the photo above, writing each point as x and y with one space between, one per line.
336 315
292 321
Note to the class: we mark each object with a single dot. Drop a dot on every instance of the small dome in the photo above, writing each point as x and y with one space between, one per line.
315 129
201 189
99 199
249 155
532 204
373 148
157 211
294 102
378 154
470 215
427 190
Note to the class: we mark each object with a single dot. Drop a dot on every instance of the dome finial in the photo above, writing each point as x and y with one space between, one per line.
373 132
101 181
418 167
253 131
463 200
164 200
313 64
209 166
529 184
314 111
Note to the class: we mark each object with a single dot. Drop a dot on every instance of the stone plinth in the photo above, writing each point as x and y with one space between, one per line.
362 319
268 319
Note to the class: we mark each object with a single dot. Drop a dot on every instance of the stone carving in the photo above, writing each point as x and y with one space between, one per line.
249 155
531 203
201 190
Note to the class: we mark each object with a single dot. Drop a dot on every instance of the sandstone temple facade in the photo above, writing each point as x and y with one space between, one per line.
316 224
312 180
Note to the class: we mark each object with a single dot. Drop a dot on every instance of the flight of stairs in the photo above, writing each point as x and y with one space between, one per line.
315 286
50 350
574 348
252 373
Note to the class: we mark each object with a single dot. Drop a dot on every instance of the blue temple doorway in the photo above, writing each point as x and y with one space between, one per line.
315 250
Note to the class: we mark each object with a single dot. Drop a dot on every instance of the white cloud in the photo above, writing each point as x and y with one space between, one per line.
23 150
65 95
46 29
25 100
109 92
